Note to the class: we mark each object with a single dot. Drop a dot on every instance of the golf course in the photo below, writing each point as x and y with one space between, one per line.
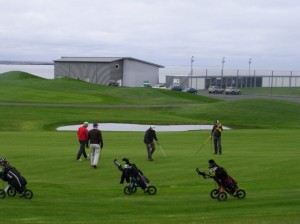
261 151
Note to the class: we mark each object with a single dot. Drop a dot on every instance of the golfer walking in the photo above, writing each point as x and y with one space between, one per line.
216 134
96 144
149 137
82 133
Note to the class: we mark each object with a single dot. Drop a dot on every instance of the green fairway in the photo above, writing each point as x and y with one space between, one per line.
67 191
261 151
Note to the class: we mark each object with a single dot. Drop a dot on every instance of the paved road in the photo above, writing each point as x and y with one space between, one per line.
243 96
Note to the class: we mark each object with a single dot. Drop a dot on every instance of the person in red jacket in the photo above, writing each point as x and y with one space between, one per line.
82 134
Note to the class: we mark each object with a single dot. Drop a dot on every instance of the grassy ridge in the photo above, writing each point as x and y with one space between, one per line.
25 88
261 153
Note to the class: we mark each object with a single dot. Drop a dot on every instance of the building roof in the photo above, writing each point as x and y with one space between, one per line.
102 59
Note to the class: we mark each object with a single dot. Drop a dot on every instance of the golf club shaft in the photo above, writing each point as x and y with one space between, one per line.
162 151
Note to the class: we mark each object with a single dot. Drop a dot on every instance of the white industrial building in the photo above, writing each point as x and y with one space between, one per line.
201 78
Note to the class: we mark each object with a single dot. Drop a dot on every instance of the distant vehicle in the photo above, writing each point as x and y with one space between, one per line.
190 90
177 88
232 90
113 83
160 86
147 85
215 89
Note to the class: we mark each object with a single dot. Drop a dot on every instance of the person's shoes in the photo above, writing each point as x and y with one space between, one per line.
79 160
150 159
215 153
94 166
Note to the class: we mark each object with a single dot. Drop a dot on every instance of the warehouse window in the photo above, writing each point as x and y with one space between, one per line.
117 66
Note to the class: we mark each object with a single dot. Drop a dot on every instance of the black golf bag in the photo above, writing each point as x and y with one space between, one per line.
14 178
135 177
225 183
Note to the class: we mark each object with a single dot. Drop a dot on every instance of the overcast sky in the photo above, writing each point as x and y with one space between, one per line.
165 32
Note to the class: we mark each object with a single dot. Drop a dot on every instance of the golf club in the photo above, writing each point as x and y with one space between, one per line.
209 137
201 146
162 150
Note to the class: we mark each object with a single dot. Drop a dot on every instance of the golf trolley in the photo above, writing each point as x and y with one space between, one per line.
11 192
135 178
132 187
225 186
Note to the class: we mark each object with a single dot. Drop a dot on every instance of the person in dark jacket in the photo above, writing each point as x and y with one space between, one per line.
216 134
150 136
95 139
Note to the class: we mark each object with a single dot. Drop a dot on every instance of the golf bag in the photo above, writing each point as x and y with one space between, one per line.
14 179
131 174
225 182
16 182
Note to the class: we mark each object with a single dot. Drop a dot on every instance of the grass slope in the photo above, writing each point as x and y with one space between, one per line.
23 88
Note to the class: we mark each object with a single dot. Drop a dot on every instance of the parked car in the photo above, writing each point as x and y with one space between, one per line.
190 90
215 89
232 90
160 86
147 85
177 88
113 83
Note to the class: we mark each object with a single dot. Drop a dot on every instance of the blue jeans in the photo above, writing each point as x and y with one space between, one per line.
81 150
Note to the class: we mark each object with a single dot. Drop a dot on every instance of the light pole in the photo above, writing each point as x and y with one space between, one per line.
192 61
223 61
250 61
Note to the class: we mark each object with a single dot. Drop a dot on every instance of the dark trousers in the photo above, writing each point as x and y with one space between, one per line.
217 145
150 149
81 150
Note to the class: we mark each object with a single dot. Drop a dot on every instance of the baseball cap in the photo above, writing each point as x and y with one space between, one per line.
95 125
153 127
86 123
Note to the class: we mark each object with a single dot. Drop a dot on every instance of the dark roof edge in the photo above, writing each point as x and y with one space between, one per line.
63 59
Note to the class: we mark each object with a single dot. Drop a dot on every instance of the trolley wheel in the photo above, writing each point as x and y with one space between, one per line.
240 194
11 192
222 196
214 193
151 190
133 189
2 194
28 194
127 190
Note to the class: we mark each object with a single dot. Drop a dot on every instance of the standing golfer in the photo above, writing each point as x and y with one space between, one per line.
96 144
82 133
149 137
216 133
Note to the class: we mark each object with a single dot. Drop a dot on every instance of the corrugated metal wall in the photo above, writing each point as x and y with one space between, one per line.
61 70
98 73
116 70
